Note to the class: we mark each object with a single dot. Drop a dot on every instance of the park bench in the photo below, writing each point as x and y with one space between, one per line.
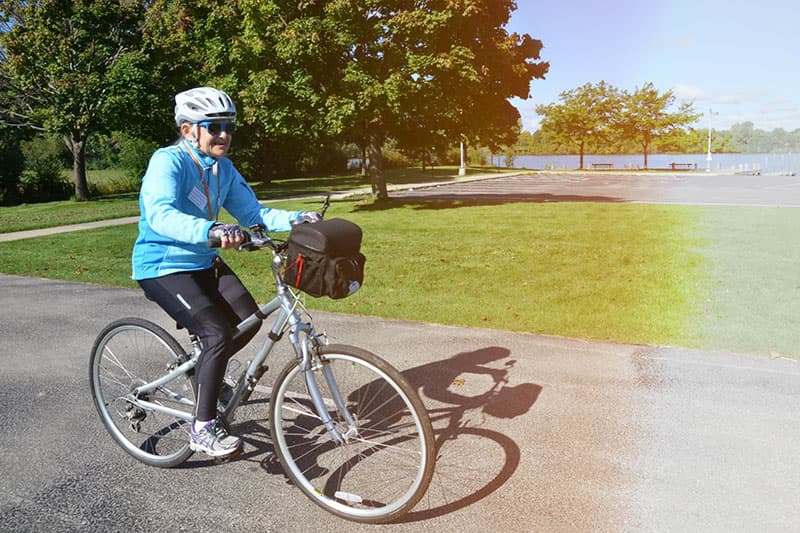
602 165
684 166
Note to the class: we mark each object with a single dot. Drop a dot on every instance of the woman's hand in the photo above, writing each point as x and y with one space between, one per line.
307 217
226 236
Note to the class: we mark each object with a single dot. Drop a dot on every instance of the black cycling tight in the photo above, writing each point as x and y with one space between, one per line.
209 303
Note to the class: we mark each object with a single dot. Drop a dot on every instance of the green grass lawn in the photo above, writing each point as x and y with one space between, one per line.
601 271
705 277
753 282
34 216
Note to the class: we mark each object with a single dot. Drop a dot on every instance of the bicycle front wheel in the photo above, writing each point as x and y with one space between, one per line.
129 353
385 462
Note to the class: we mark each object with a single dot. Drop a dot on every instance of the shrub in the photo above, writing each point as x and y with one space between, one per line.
42 178
393 157
134 155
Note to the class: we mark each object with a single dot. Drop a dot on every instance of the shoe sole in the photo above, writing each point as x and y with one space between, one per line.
222 453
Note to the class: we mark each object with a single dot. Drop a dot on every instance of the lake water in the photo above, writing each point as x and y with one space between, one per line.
763 163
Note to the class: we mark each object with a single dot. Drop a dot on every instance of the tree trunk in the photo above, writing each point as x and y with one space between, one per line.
377 178
645 146
77 145
581 167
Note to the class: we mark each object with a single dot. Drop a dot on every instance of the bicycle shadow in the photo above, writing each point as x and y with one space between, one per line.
473 461
462 394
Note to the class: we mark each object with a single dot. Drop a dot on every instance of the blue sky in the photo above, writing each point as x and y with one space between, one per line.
739 60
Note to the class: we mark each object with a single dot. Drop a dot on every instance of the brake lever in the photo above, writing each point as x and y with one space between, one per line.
325 205
248 246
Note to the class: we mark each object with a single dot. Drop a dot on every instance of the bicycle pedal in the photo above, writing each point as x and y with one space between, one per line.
227 458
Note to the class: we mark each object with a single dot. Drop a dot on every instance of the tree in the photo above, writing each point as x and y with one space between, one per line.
584 115
69 68
293 57
280 61
644 116
307 75
429 73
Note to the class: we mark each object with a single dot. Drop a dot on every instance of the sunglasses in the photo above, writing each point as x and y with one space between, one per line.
216 128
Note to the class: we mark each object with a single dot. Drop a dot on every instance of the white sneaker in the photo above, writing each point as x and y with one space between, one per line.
214 440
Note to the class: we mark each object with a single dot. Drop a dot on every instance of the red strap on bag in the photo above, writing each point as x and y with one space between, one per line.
298 261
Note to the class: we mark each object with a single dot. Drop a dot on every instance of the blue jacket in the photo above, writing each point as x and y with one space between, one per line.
175 217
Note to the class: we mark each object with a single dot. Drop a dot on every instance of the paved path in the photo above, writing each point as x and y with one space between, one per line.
536 433
678 188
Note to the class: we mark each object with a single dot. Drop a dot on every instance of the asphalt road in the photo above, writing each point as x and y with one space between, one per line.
536 433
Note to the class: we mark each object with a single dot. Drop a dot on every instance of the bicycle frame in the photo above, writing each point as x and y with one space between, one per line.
303 338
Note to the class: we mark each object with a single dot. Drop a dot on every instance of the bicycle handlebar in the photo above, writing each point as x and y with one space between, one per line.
257 238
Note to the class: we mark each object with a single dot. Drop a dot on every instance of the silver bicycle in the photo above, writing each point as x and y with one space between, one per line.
347 427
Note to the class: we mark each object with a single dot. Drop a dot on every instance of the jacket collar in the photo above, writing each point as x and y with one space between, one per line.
205 160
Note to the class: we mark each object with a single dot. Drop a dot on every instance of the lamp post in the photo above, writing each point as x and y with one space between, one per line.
708 157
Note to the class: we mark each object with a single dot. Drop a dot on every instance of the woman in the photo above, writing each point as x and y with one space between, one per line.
185 187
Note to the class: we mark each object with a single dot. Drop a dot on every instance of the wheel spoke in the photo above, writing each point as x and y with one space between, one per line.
128 354
384 467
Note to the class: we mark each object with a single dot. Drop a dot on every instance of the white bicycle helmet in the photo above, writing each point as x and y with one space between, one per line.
203 103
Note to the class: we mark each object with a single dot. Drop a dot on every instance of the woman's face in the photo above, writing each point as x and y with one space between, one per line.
210 144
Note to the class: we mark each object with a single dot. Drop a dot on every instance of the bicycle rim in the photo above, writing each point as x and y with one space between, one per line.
384 467
127 354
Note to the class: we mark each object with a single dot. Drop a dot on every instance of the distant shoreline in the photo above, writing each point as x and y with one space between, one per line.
763 163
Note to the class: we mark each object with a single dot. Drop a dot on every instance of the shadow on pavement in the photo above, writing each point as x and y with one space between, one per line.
463 393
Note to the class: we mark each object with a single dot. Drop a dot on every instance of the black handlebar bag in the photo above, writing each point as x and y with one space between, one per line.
325 259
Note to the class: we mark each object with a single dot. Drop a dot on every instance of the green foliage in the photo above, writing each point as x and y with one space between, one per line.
741 138
72 67
308 77
41 180
602 115
585 116
644 116
134 155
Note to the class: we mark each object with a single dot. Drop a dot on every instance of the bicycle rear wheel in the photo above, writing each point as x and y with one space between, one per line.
386 462
129 353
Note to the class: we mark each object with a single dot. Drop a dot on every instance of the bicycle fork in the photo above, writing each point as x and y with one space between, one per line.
308 366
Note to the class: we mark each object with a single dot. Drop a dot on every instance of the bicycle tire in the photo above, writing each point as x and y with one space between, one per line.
127 353
394 433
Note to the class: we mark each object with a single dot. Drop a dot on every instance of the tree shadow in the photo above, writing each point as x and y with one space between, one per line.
347 181
452 201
